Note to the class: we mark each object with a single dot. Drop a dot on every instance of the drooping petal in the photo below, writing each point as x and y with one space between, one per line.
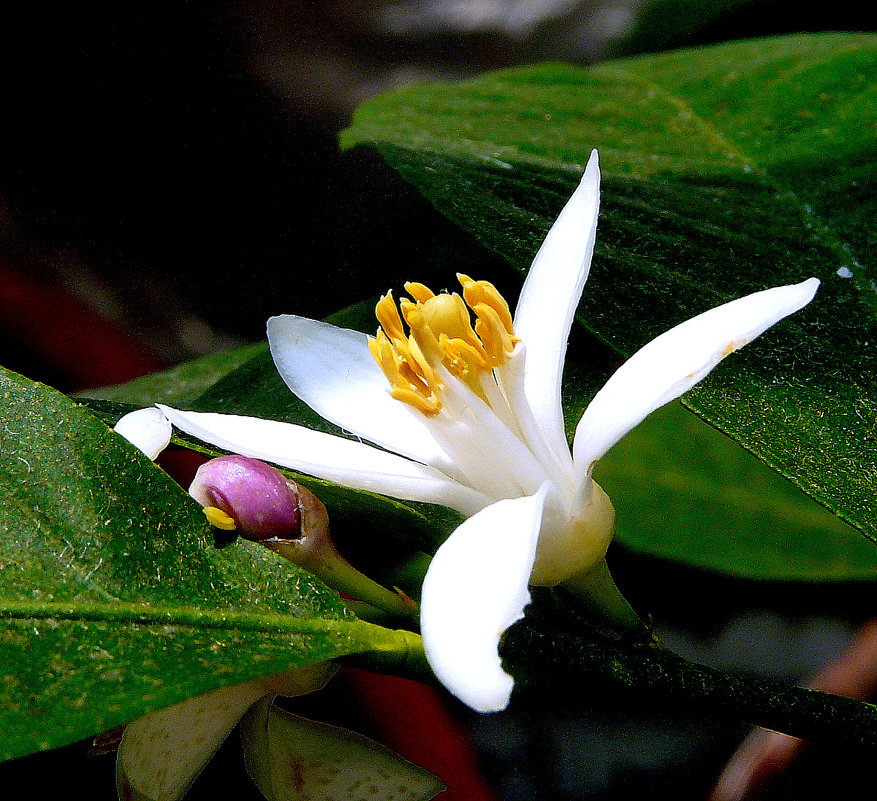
475 588
290 757
675 361
333 372
343 461
549 299
146 429
160 755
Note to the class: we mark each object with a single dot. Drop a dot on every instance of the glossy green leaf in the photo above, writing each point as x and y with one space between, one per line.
684 491
725 170
115 597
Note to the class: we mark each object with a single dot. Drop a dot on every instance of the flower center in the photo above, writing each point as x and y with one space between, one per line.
440 332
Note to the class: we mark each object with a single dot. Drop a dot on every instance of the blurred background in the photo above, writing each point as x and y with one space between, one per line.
170 177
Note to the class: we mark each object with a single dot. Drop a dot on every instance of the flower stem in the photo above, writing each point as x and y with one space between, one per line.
603 601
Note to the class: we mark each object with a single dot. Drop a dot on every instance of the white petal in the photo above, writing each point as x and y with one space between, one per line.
475 588
351 464
487 454
290 757
160 755
146 429
675 361
333 372
556 462
549 298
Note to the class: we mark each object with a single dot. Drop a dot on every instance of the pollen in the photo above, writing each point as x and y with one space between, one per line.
440 331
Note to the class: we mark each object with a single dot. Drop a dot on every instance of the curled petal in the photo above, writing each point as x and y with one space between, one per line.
549 299
146 429
333 372
336 459
675 361
475 588
290 757
160 755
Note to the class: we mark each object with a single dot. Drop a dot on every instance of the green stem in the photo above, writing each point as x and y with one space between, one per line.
333 569
570 665
603 602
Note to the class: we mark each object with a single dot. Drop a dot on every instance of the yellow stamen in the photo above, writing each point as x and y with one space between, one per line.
388 317
406 381
478 292
415 363
440 332
498 341
419 292
219 519
429 406
462 358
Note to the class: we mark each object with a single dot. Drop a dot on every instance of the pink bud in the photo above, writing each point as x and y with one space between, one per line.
259 500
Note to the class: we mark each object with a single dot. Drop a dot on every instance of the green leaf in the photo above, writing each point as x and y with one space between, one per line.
180 384
726 170
114 597
684 491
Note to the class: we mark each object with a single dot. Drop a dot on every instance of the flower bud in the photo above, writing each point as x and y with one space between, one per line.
244 494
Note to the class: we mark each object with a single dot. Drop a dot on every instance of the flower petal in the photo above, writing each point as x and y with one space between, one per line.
675 361
549 298
343 461
333 372
290 757
160 755
146 429
475 588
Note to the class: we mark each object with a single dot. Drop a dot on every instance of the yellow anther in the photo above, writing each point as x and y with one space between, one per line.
419 292
498 342
429 406
440 332
462 358
383 353
414 359
478 293
409 309
219 519
388 317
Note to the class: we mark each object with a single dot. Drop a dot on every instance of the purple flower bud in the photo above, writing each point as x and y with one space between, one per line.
257 499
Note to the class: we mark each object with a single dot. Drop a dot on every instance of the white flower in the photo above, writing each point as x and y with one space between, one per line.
473 421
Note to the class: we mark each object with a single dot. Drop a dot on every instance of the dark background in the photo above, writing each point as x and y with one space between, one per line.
173 169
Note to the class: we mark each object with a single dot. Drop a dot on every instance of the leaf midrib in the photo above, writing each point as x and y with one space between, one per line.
188 616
